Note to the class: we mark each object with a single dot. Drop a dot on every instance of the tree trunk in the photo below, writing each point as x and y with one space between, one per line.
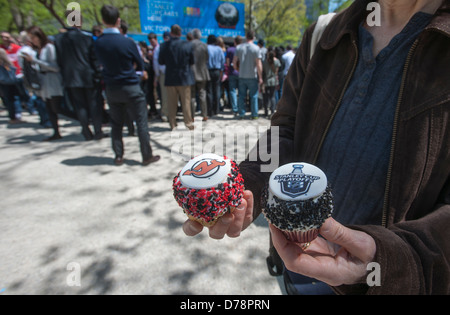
17 16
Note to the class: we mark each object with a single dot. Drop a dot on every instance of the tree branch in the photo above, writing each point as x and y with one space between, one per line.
268 14
50 7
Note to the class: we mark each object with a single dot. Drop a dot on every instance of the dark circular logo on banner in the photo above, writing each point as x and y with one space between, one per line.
227 15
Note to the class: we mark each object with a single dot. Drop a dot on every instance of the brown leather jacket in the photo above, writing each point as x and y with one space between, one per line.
413 242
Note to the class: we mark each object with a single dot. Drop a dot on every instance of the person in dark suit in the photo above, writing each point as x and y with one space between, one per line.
120 59
178 56
81 76
201 72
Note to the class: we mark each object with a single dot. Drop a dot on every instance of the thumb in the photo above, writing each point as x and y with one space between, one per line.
357 243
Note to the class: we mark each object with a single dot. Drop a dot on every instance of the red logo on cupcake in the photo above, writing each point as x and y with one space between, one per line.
205 168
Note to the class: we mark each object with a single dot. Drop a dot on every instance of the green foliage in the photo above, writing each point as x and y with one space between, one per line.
345 4
278 22
17 15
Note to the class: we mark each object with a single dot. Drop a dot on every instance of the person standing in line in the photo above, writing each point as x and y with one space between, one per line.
81 77
178 56
50 77
233 75
9 44
201 73
97 31
160 74
270 75
249 64
216 64
148 78
153 39
119 57
264 50
279 51
223 99
123 28
8 87
12 50
31 80
288 57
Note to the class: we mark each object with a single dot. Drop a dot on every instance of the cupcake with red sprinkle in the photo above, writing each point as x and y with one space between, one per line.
208 187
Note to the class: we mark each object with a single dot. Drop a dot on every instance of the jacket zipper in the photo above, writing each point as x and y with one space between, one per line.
316 157
394 134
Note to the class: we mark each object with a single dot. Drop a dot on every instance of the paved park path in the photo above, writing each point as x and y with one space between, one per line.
73 223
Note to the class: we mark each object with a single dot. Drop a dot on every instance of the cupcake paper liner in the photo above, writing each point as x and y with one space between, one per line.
301 237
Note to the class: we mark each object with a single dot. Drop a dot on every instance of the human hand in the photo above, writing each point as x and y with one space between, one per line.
340 257
27 57
231 224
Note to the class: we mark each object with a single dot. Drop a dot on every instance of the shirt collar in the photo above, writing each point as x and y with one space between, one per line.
111 31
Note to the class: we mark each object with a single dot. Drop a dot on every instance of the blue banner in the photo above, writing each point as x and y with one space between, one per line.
220 18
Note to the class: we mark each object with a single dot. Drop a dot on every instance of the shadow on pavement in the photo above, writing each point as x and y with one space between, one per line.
96 161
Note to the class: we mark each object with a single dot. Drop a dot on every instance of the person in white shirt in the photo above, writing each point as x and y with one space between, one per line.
288 57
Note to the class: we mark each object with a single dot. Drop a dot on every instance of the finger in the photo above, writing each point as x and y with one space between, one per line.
357 243
235 228
248 196
286 249
192 228
294 258
292 255
219 230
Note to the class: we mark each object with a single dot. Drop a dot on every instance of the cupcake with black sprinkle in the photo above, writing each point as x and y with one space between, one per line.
208 187
297 201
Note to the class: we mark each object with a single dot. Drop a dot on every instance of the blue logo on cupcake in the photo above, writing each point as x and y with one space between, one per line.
296 183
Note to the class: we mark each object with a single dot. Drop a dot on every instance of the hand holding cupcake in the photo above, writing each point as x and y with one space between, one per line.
210 190
297 201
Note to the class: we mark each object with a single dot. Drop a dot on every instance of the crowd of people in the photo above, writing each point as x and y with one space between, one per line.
63 74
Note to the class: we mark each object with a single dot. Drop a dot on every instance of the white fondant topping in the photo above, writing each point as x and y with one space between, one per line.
205 171
298 182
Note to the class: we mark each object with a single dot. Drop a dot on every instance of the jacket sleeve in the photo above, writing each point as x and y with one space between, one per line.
410 253
58 50
155 61
49 61
161 59
279 139
95 64
190 51
136 57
